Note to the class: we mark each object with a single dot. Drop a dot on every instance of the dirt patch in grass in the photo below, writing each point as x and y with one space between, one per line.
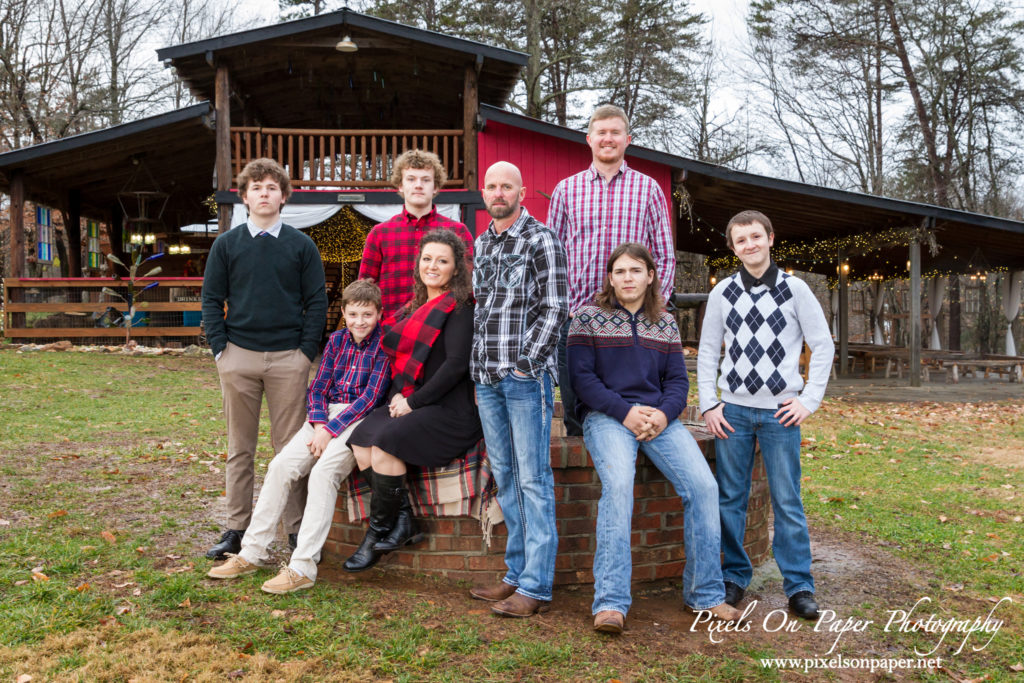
1004 455
112 653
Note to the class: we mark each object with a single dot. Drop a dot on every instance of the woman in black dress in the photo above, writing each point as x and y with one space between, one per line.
431 416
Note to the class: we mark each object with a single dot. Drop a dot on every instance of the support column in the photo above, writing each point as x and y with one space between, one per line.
915 313
222 103
844 314
73 229
16 262
470 111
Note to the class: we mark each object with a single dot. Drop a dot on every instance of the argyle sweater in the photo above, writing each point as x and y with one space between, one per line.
618 360
764 329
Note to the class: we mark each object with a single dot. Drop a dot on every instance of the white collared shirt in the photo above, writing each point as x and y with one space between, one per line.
274 230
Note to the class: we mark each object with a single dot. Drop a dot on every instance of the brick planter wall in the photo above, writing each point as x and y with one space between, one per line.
455 546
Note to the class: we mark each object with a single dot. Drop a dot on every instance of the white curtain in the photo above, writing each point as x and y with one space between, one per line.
304 216
879 293
936 293
1011 286
379 213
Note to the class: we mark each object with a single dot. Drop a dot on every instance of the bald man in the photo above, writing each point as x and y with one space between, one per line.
519 278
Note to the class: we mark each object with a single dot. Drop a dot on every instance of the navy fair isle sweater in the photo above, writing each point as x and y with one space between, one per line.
618 360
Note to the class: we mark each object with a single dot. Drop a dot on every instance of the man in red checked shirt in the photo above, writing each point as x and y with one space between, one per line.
391 246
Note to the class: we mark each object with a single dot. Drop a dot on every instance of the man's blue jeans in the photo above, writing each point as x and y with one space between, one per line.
780 450
516 418
675 453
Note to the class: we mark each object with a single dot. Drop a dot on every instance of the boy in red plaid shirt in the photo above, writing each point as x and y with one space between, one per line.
391 246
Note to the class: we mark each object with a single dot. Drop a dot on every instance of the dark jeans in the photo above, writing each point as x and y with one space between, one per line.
572 424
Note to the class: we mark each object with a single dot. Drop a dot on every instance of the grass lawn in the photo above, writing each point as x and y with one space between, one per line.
111 478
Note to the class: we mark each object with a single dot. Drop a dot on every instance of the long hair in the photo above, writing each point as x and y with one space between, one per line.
652 297
461 284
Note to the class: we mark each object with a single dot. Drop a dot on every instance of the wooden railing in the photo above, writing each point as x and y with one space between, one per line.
345 158
74 308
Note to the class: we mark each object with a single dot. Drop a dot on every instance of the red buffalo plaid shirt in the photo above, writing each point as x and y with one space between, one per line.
390 252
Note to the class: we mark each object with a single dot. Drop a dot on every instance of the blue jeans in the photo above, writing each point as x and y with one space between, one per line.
613 449
516 418
780 450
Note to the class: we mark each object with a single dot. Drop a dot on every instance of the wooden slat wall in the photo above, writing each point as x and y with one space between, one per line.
344 158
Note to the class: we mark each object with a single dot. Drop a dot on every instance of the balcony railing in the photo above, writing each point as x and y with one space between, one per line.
320 159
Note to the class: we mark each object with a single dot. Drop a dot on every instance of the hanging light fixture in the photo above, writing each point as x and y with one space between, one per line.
346 44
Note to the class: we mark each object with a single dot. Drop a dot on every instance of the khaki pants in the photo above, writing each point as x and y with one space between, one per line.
245 376
325 476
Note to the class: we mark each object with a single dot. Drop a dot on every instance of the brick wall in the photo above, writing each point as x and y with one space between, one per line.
455 548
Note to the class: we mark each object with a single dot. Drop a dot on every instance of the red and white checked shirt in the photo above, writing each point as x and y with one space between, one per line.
592 217
390 253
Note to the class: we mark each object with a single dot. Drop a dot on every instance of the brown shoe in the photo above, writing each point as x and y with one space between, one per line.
725 612
609 621
519 605
492 593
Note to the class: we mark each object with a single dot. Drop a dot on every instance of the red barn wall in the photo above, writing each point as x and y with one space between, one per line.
544 160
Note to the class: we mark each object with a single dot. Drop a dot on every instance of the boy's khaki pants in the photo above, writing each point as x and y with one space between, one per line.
245 376
325 475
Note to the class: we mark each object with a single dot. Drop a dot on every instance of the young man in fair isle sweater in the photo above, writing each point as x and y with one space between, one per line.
763 316
626 364
272 279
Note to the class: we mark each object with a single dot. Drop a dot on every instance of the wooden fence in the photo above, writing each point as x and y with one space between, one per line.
79 310
345 158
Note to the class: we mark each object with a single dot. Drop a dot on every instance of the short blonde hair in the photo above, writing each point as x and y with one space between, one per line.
419 159
608 111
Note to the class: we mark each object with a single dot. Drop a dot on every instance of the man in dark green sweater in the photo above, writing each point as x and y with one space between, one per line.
271 279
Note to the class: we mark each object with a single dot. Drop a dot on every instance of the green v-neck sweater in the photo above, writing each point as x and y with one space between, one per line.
274 291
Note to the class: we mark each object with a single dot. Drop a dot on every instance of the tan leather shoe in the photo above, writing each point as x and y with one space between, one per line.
233 568
519 605
725 612
492 593
609 621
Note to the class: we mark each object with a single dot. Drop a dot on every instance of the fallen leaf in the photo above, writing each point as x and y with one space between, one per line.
954 587
990 558
82 587
187 602
1018 667
943 518
124 585
24 581
123 609
108 537
85 548
57 513
278 613
39 576
141 550
137 592
237 673
173 557
23 678
5 522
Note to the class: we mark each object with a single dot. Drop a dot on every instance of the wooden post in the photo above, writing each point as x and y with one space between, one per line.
73 229
16 263
222 103
470 109
915 313
844 315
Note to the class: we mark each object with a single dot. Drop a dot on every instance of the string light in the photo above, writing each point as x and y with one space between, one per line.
341 237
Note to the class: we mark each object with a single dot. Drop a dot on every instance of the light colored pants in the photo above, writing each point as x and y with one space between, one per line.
325 476
245 376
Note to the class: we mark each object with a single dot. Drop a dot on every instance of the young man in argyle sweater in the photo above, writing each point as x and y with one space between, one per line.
764 317
353 379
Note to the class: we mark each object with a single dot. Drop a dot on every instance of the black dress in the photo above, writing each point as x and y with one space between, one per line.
444 421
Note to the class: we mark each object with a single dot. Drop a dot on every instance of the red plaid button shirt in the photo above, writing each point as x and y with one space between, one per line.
390 253
592 217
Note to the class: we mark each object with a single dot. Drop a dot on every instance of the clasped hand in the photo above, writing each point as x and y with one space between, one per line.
645 422
399 406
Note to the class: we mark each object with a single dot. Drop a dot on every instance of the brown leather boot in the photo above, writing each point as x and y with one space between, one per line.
519 605
492 593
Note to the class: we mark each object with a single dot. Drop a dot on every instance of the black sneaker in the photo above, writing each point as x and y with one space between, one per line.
230 542
803 605
733 593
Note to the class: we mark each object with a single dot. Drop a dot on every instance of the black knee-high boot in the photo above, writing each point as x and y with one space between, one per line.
404 532
382 517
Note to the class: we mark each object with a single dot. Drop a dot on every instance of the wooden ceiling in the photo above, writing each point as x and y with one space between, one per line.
291 76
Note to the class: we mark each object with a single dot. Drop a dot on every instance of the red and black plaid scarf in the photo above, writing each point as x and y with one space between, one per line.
408 342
